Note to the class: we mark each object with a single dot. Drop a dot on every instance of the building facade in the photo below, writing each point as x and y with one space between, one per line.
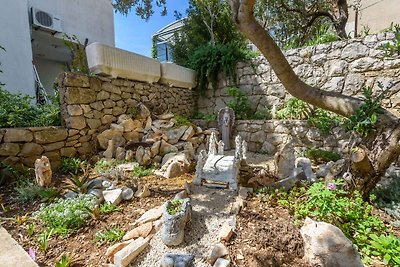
32 34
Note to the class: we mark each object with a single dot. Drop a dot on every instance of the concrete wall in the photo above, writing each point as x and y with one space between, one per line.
345 66
374 15
16 62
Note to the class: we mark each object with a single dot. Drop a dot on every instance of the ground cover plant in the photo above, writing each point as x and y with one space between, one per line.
332 202
321 155
109 235
174 206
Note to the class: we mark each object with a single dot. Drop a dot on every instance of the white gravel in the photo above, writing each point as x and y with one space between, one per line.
211 209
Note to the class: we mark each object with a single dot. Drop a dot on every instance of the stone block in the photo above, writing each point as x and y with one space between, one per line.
75 95
76 122
17 135
76 80
31 149
9 149
125 256
114 62
54 146
177 76
68 152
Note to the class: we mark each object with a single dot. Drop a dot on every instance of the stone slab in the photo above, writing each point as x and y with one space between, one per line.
11 253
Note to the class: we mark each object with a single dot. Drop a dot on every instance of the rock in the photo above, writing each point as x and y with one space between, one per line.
125 256
96 183
284 162
244 192
143 111
139 155
166 148
177 260
140 231
222 263
149 216
113 196
70 194
305 165
126 167
189 133
9 149
114 249
129 155
292 180
175 134
162 124
51 135
120 153
31 149
109 153
147 126
97 193
132 136
43 171
155 149
143 192
181 195
218 251
107 135
17 135
237 206
173 229
165 116
325 245
130 125
175 166
227 231
127 193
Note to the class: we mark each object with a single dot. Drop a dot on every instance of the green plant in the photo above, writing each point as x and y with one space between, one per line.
16 110
364 119
78 54
28 191
207 117
240 103
104 165
332 203
393 47
79 183
181 120
108 207
44 238
66 215
388 199
109 235
321 155
7 171
70 165
65 261
174 206
30 230
142 171
388 246
294 109
134 112
210 60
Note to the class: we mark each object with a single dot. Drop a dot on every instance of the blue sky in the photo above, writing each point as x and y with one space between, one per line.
134 34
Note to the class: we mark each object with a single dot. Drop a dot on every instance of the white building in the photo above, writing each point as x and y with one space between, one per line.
32 33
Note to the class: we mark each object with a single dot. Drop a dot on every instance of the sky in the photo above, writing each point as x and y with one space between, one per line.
134 34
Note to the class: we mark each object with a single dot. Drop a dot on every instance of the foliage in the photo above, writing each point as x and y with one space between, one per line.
28 191
142 171
109 235
79 183
240 103
207 117
16 110
174 206
70 165
108 207
364 119
207 22
331 202
388 246
181 120
154 48
5 171
103 165
210 60
297 109
78 54
65 215
30 230
44 238
388 198
392 48
321 35
65 261
321 155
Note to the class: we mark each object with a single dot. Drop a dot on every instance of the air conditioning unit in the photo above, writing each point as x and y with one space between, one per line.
45 21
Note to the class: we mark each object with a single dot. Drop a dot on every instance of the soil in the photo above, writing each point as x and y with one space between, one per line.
266 237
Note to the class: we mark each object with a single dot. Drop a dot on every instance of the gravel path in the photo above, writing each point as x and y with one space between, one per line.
210 210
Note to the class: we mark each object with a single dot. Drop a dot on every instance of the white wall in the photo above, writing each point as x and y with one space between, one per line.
16 62
48 71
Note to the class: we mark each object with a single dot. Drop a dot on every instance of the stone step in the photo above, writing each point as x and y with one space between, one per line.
11 253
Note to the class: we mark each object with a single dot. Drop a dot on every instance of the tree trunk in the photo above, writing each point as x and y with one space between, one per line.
379 150
342 15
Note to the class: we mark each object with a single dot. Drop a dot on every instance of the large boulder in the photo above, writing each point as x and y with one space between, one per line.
326 246
175 165
105 136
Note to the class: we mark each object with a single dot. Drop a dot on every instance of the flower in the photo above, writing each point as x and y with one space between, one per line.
32 254
331 186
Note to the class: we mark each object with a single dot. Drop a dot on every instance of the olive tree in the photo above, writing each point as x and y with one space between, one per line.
373 155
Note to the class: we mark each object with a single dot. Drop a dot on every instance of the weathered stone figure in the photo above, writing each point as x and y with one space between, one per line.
221 146
226 119
212 146
43 171
238 147
201 160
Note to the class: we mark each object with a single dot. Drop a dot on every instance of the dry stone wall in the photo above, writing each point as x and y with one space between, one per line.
88 106
343 66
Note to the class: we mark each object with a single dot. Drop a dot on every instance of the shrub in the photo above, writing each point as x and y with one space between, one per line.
66 215
240 103
28 191
321 155
16 110
70 165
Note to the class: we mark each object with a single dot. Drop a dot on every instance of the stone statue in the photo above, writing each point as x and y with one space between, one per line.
238 147
201 160
43 171
212 146
221 147
226 119
244 150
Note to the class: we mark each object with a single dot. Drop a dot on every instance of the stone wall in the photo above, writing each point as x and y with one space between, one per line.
343 66
89 105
